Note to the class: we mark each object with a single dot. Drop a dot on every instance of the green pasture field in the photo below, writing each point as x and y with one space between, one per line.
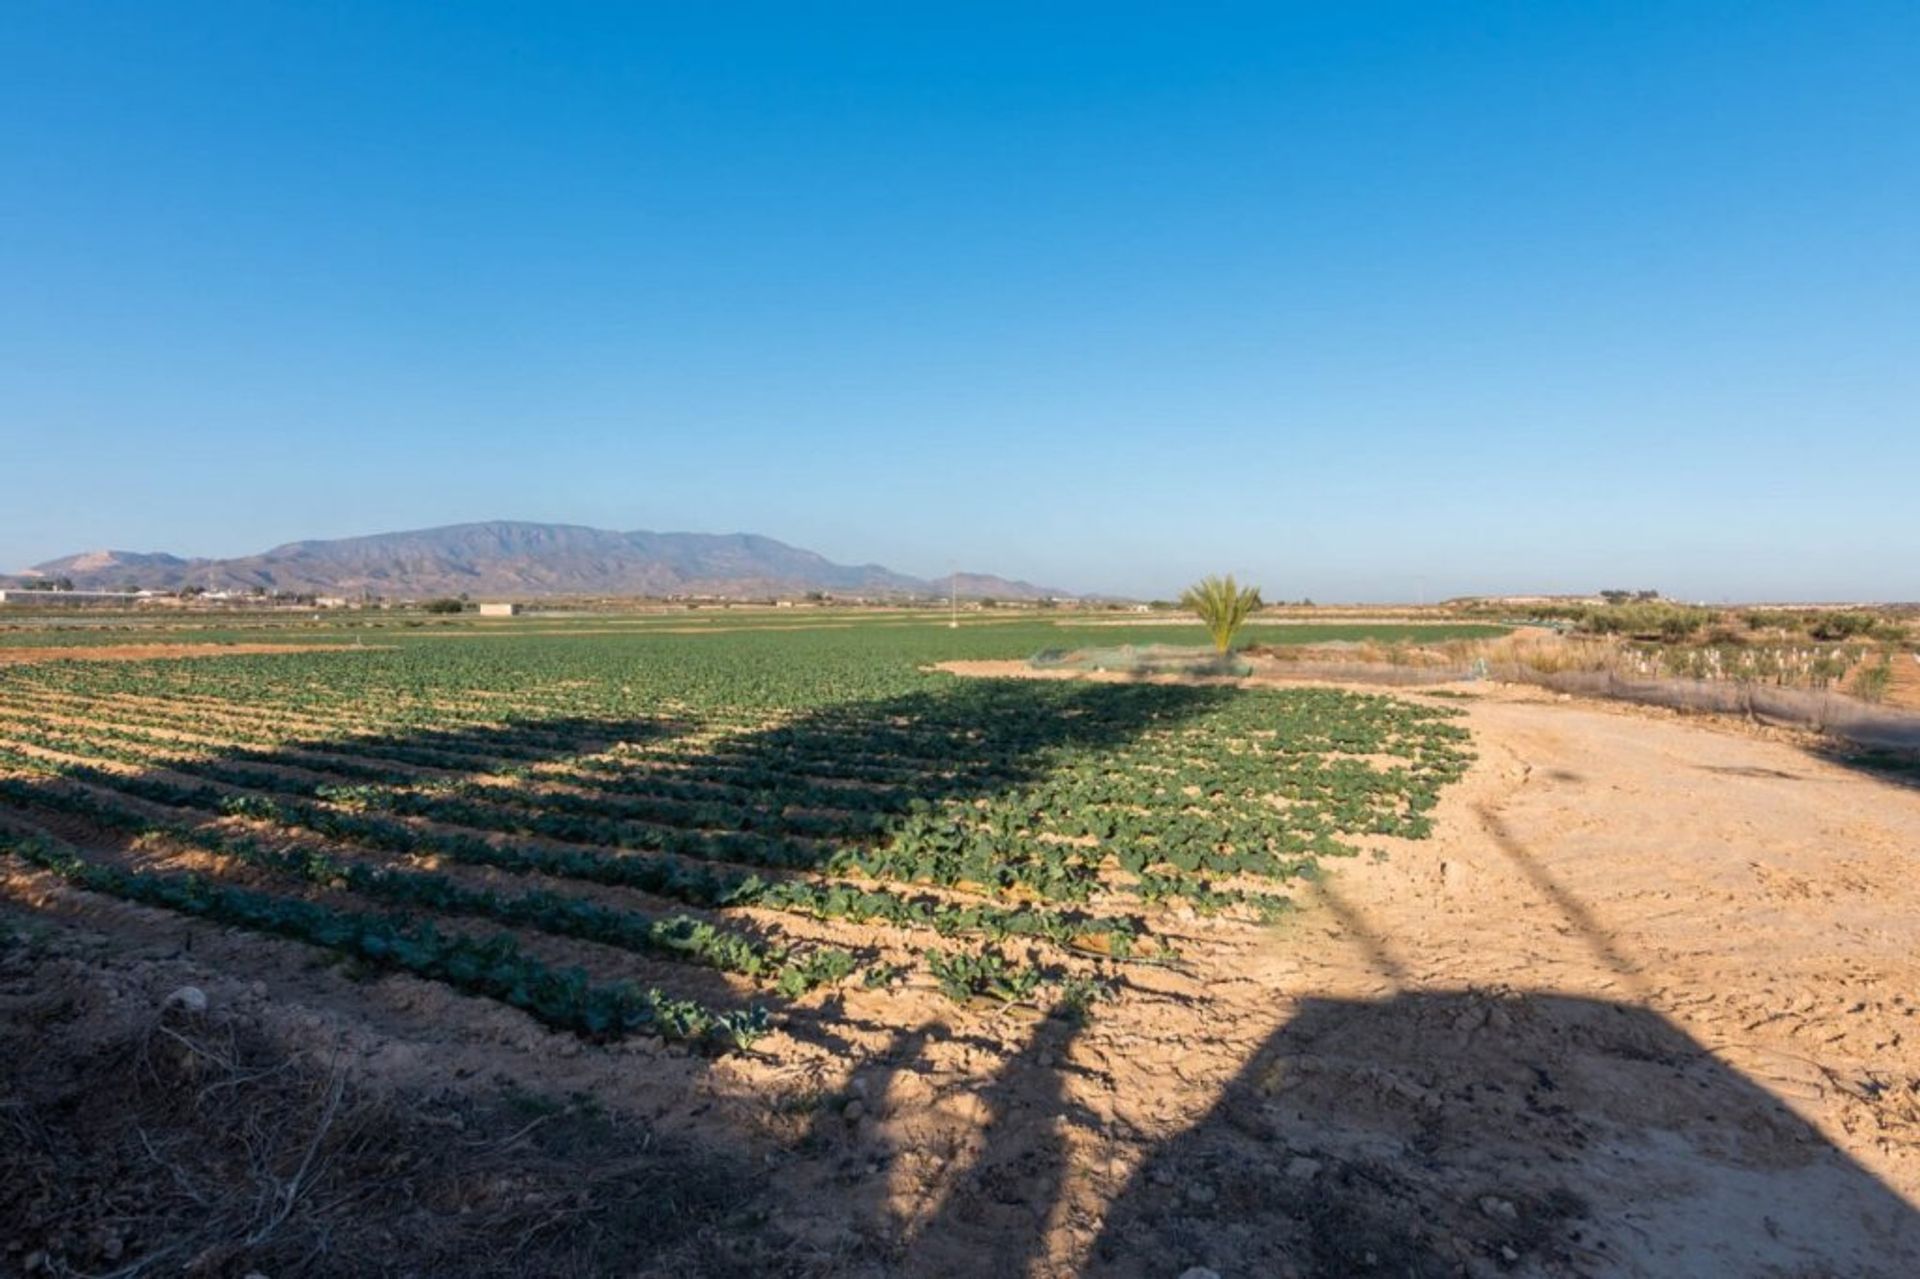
1019 632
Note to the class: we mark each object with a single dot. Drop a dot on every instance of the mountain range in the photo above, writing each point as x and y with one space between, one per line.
517 559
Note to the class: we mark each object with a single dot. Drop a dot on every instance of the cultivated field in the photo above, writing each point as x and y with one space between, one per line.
761 945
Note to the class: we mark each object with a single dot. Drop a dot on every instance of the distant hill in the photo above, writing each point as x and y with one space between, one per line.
519 559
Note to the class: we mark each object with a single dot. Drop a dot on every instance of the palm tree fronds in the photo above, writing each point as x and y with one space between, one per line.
1221 606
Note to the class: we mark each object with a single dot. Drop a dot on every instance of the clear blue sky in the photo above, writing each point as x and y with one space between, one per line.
1358 300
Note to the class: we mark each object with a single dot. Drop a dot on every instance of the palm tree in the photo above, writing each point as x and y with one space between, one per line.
1221 606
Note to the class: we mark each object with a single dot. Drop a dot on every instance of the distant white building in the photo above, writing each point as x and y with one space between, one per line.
499 610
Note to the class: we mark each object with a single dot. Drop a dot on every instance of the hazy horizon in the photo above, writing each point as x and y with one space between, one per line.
1388 303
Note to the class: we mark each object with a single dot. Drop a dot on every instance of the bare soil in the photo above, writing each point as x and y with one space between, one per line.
1904 690
1644 1005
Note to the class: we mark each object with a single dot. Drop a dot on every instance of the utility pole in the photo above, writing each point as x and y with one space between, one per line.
953 599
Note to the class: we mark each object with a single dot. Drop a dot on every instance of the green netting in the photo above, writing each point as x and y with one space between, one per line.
1143 659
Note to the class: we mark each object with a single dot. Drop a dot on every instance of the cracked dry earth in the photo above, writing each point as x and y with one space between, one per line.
1645 1004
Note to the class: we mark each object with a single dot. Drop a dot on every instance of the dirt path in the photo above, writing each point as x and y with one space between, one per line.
1904 689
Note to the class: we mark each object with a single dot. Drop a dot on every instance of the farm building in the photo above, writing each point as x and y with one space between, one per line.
499 610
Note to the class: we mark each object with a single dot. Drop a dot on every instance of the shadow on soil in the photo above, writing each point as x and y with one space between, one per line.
1901 767
1424 1135
1433 1134
130 1141
964 739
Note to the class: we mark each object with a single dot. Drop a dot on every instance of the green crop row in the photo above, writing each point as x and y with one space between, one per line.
493 967
788 971
697 885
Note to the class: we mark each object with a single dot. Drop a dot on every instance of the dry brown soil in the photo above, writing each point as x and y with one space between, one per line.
1648 1003
1905 688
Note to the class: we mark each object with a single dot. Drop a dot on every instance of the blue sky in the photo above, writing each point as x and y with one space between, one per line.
1356 300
